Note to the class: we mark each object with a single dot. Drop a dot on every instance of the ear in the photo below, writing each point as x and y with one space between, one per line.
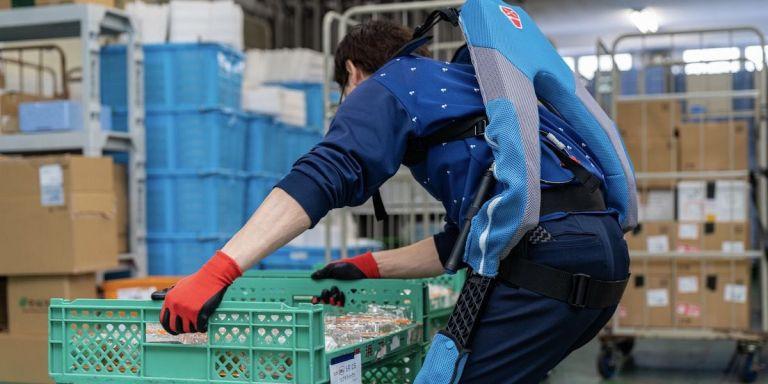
356 75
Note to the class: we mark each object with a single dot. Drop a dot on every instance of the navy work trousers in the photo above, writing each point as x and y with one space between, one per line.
522 335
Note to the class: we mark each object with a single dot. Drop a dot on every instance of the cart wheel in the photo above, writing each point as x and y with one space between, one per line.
626 346
748 372
606 363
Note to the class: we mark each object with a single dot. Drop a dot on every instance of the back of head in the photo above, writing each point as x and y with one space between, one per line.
369 46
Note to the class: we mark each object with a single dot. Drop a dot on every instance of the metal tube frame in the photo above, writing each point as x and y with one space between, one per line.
761 108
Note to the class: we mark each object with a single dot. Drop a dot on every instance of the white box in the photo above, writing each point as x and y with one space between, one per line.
214 21
152 21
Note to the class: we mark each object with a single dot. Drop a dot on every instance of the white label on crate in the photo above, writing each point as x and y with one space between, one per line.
687 284
347 369
395 344
136 293
657 244
51 185
688 231
736 293
733 246
657 297
298 255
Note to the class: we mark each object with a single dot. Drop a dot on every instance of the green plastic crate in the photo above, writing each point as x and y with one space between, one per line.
105 341
294 287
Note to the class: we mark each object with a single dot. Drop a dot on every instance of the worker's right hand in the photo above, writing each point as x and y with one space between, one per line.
359 267
190 302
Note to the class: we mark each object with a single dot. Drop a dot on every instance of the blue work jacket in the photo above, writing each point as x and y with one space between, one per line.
413 97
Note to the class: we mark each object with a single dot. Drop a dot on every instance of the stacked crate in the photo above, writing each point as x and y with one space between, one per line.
196 148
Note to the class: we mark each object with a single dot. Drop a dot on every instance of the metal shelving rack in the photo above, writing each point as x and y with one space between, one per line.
618 339
89 23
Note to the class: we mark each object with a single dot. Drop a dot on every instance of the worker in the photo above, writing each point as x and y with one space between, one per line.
395 103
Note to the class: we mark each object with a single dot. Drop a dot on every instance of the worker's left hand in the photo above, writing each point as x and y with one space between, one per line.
359 267
190 302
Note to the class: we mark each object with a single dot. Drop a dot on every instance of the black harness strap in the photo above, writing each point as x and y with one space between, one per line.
417 148
577 289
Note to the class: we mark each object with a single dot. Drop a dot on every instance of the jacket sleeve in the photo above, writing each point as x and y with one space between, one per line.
362 149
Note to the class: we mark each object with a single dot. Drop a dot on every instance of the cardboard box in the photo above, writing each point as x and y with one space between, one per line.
656 204
722 201
139 288
24 359
58 215
121 198
688 293
724 237
29 298
9 110
638 120
713 146
655 237
647 302
727 294
107 3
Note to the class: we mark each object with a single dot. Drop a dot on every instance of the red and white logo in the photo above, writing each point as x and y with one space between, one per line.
513 17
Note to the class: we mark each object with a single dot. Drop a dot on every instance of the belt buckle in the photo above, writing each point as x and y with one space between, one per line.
579 290
480 127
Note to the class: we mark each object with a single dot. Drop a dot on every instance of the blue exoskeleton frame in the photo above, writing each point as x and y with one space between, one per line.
516 66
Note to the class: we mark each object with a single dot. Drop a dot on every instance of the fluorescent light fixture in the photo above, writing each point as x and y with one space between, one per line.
646 19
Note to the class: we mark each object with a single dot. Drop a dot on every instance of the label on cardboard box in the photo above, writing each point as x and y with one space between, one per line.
51 185
688 310
736 293
657 297
733 246
687 284
731 200
659 206
657 244
688 231
691 197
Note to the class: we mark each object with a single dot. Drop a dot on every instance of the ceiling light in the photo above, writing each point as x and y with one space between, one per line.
646 19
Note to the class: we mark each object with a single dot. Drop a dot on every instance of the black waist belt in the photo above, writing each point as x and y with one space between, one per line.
577 289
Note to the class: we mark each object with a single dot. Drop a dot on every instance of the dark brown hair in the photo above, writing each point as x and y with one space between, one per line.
370 45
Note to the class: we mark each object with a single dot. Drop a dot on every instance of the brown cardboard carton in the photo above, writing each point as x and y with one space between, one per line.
725 237
655 237
9 110
713 146
727 294
3 304
638 120
24 359
5 4
58 215
121 197
688 293
656 204
647 301
654 154
29 297
107 3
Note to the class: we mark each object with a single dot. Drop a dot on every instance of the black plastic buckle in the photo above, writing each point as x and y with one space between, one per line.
480 127
579 290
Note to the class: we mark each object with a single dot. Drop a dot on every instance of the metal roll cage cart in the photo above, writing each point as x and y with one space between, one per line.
90 23
663 50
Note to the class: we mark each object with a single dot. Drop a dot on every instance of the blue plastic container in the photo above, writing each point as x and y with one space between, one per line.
655 80
290 257
192 140
58 115
295 142
177 76
259 186
314 99
262 152
195 202
179 254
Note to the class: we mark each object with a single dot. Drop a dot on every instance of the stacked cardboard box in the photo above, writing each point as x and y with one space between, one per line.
5 4
687 293
58 228
649 133
713 146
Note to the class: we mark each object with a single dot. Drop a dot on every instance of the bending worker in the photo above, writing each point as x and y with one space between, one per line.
396 108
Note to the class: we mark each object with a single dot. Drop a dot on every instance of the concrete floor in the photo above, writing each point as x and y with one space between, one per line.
657 362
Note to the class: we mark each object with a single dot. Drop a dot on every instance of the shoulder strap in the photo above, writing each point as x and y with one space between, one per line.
417 148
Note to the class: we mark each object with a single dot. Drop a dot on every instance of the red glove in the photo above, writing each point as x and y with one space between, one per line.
190 302
359 267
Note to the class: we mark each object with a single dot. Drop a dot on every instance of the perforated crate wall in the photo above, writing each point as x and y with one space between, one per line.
92 340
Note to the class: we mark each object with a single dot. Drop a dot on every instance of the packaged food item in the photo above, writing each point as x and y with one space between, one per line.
352 328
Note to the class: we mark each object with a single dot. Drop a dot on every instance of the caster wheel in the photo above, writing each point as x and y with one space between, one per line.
606 364
748 371
626 346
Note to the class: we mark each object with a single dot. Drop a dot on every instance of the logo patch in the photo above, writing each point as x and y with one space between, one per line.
513 17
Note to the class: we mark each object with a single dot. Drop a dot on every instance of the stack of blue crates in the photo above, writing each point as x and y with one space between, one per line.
196 147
